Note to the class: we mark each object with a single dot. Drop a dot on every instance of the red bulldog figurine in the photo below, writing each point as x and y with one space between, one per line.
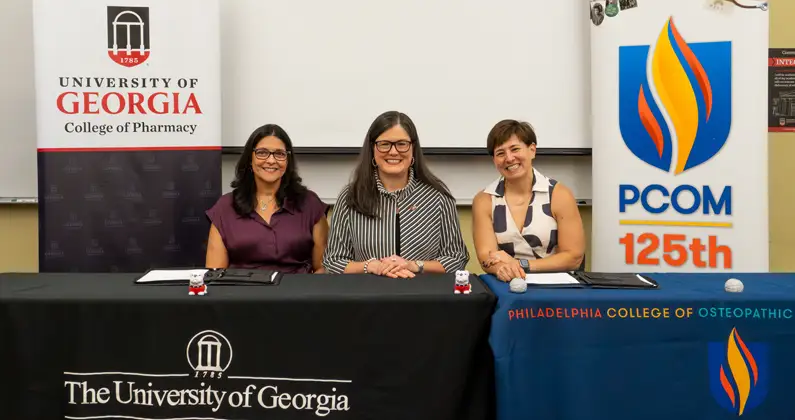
462 285
196 285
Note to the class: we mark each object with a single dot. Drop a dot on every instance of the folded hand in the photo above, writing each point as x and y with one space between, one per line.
395 266
507 267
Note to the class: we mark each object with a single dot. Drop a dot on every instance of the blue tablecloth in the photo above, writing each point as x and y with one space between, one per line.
688 350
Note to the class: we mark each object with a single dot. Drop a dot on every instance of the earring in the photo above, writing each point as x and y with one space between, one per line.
412 161
375 165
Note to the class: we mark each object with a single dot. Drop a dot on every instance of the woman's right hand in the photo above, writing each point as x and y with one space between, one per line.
508 270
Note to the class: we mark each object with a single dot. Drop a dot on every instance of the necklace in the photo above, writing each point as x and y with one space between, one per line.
264 203
521 202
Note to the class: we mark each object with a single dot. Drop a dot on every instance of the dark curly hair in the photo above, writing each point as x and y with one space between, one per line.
245 188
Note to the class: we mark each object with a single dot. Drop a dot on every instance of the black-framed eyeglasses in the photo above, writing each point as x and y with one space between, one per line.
384 146
263 154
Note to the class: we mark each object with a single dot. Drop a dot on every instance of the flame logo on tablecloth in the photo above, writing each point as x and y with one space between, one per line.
738 373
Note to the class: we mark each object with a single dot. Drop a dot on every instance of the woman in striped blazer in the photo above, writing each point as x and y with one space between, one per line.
395 218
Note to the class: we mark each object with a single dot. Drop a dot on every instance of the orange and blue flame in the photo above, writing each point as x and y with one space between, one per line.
675 100
738 373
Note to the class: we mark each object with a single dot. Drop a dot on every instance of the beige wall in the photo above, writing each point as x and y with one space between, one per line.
19 224
19 238
781 152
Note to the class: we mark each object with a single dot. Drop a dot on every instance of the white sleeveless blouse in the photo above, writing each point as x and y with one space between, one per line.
538 237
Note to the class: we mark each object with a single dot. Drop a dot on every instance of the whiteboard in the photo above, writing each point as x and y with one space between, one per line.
18 170
325 70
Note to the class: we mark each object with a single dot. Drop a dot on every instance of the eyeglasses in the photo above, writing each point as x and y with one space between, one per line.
385 146
263 154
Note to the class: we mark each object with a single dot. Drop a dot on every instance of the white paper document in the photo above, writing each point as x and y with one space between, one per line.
169 275
550 279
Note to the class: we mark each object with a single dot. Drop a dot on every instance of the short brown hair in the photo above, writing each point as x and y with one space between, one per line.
503 130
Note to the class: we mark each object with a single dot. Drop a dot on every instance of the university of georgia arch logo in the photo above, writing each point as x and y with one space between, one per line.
128 35
738 373
209 354
675 100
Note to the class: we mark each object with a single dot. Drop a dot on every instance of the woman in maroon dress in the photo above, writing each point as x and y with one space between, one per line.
270 220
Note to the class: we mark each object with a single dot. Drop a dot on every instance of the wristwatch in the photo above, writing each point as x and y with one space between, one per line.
420 266
525 265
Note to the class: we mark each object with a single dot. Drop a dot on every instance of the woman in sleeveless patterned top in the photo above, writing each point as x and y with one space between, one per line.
524 222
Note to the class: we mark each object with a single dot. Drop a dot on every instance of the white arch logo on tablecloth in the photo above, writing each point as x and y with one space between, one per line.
209 353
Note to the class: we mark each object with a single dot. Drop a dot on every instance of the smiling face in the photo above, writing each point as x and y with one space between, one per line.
269 159
514 159
393 151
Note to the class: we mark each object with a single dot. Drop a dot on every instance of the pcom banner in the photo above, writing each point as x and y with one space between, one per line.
128 104
679 89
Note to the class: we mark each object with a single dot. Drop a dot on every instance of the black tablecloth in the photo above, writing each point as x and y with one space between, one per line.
344 346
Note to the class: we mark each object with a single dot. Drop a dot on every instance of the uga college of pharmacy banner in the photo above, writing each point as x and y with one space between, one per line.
679 94
128 109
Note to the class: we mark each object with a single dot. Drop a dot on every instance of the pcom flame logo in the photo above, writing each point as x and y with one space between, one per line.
738 373
675 100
